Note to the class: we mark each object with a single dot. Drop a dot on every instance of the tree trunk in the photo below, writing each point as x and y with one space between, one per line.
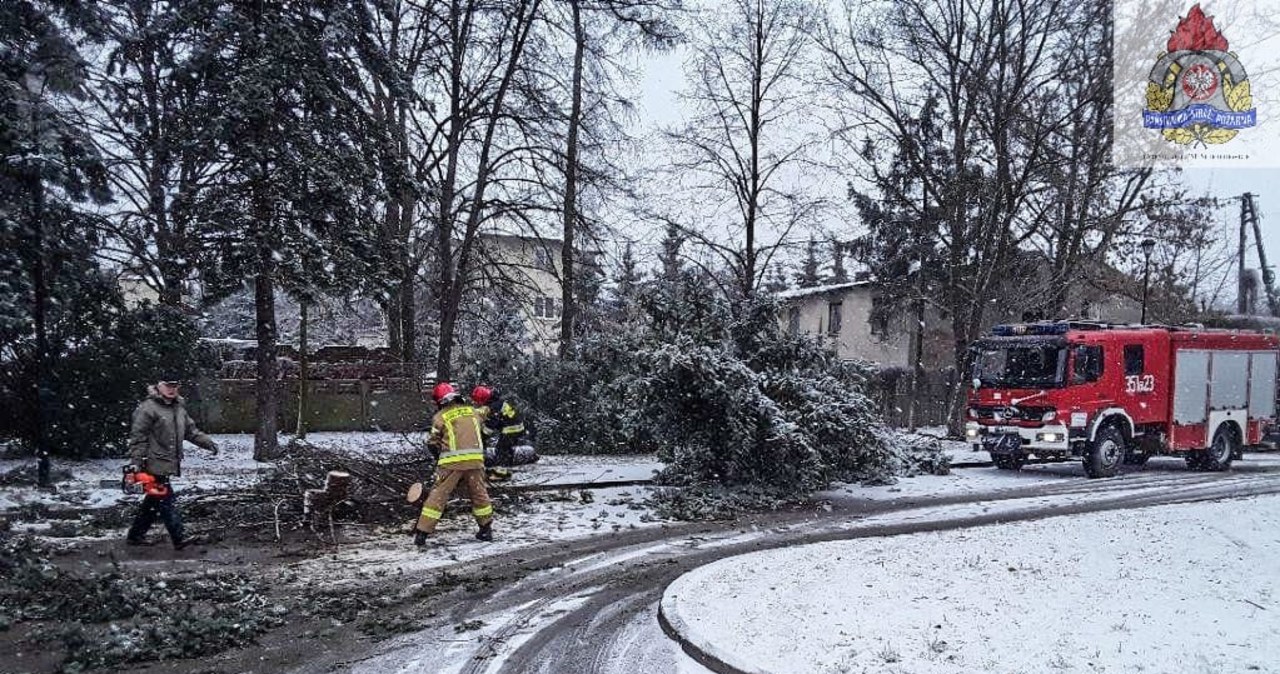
444 355
391 306
444 350
448 187
304 371
266 440
391 310
965 325
408 286
40 301
454 273
569 307
917 351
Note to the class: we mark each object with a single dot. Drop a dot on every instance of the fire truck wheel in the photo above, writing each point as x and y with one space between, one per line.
1008 461
1106 454
1218 456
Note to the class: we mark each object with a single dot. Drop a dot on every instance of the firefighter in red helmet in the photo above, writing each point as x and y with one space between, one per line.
456 440
501 419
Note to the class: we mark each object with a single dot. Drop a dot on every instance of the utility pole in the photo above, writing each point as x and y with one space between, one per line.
1147 246
1242 283
917 347
1249 213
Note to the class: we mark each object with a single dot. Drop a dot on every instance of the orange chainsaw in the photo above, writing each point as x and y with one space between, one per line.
137 481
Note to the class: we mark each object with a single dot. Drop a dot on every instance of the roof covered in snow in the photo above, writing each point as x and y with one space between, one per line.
820 290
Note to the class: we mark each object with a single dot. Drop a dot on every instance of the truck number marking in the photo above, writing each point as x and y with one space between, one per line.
1145 383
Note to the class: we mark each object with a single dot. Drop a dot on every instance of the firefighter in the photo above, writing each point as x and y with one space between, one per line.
456 440
160 425
504 420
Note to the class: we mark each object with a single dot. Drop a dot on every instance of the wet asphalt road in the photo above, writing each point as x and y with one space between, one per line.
590 606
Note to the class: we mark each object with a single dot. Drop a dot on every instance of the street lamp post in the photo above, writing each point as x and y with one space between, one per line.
1147 246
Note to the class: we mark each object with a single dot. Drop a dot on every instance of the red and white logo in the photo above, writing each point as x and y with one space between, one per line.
1199 83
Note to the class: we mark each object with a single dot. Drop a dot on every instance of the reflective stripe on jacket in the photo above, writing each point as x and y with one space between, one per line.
456 430
504 419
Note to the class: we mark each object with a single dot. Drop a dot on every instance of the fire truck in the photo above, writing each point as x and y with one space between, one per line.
1111 395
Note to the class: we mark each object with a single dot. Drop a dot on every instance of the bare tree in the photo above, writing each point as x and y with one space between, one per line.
1086 202
143 97
740 155
602 31
973 127
485 48
403 46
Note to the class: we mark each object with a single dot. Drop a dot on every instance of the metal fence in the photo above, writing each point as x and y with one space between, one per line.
229 405
892 393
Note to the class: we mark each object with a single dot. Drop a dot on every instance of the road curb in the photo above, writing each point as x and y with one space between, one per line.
690 648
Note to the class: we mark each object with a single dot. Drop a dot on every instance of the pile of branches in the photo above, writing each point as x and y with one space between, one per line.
275 504
110 619
375 481
379 479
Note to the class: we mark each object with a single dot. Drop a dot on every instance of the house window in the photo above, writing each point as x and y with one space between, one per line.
833 317
542 258
793 321
545 307
1133 360
879 318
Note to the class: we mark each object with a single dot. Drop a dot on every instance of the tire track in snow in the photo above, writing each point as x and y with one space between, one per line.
609 587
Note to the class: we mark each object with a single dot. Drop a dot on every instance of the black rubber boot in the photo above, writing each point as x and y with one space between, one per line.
420 538
187 542
485 533
141 542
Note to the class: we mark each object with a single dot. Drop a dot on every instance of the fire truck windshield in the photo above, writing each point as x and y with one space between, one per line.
1020 364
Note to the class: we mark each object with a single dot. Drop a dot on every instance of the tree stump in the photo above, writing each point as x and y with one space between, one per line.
318 504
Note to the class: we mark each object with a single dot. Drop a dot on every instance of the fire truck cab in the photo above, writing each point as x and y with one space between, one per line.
1112 394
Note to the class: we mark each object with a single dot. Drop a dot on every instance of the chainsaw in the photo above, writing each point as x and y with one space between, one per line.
137 481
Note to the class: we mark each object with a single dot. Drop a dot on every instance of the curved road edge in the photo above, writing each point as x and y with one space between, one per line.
676 629
693 650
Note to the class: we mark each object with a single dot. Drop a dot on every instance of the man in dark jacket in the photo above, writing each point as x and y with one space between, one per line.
160 425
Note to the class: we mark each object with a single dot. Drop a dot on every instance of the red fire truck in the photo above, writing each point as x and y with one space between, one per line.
1112 394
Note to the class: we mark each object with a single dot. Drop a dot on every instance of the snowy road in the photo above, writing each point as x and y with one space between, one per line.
590 606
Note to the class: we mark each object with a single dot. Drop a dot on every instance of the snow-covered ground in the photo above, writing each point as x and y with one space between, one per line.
1186 588
555 517
544 517
96 483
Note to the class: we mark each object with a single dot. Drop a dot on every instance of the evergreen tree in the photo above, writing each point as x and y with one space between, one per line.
670 256
628 277
838 272
48 167
809 276
775 281
290 206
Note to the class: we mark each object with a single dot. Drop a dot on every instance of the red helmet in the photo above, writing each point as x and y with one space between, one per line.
443 392
481 395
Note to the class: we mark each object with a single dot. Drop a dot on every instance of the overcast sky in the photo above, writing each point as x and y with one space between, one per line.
663 76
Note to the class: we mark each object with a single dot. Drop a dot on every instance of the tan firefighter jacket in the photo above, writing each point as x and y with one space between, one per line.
455 430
